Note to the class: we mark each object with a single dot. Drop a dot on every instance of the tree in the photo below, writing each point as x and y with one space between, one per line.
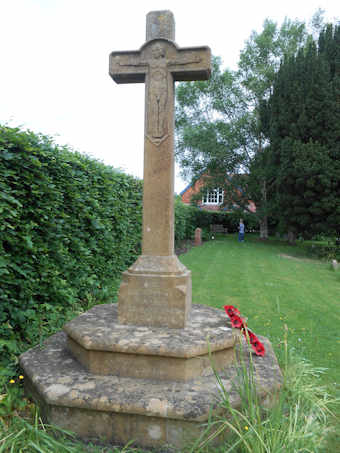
218 128
259 61
302 122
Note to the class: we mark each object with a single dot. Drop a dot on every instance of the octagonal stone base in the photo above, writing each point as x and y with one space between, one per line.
104 346
116 409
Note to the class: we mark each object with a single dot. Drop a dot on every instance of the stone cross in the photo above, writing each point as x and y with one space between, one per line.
158 64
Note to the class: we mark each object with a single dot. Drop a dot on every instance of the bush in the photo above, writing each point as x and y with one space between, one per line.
188 218
69 225
325 250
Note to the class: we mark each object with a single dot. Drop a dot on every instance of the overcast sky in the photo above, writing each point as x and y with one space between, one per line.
54 63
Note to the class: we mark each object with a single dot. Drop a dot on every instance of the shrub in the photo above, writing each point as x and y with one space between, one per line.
325 250
69 225
188 218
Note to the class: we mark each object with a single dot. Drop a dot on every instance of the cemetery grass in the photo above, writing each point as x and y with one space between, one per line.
281 292
274 285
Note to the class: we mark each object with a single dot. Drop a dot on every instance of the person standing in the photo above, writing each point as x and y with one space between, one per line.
241 231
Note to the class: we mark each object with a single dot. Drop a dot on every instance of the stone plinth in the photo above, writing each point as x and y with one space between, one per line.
155 291
118 409
103 346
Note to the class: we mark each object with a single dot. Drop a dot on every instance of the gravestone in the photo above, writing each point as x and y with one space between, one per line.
198 236
143 371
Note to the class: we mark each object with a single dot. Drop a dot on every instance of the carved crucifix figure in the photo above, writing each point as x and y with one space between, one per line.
158 64
158 69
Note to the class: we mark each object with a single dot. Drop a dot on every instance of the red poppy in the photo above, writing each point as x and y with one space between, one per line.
238 322
231 310
254 342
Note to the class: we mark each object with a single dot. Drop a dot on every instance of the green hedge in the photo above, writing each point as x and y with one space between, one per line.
69 225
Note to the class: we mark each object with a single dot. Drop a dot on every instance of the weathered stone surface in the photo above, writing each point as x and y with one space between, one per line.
103 346
155 291
160 24
148 366
97 329
119 409
151 300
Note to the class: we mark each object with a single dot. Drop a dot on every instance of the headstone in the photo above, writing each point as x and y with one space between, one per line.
198 236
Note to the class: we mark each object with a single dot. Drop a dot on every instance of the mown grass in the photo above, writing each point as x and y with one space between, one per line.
274 285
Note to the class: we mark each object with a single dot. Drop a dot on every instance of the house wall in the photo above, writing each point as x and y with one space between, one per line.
189 191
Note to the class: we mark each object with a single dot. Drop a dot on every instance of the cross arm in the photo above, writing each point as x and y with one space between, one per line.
127 67
191 63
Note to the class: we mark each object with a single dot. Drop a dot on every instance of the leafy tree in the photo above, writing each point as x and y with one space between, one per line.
259 61
302 121
217 125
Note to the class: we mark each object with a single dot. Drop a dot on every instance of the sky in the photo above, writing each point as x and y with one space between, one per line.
54 61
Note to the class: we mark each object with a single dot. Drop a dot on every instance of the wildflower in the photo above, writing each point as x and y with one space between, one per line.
21 377
246 428
12 381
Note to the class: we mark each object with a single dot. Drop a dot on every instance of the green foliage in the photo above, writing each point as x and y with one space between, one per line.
302 121
184 226
297 419
212 124
261 56
68 226
329 250
218 129
12 400
188 218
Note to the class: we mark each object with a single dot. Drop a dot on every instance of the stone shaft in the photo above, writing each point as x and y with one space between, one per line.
156 290
160 24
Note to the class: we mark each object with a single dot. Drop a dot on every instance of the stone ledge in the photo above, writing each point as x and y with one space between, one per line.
142 366
98 329
162 266
112 409
60 380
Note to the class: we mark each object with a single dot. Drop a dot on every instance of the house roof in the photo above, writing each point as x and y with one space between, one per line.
184 190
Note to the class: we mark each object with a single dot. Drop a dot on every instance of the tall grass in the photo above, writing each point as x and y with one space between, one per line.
296 420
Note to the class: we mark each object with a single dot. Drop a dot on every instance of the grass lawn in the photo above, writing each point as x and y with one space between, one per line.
273 284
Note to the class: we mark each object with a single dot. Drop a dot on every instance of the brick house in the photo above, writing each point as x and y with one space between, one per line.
212 200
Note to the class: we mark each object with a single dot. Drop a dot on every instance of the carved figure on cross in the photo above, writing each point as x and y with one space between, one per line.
157 67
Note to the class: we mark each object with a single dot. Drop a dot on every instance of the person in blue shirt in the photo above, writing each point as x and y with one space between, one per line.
241 231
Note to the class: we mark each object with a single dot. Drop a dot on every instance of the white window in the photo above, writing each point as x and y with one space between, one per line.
213 197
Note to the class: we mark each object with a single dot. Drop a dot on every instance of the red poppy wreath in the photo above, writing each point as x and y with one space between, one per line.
239 323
